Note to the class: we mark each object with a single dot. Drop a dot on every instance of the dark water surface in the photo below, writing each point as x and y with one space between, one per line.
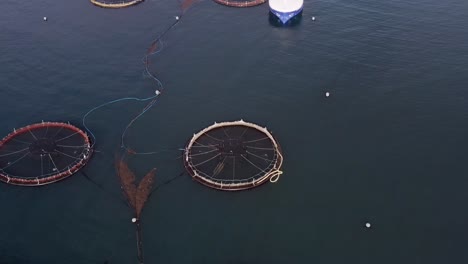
389 146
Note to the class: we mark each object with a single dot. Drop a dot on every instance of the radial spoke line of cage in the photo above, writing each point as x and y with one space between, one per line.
32 134
274 160
203 162
58 131
202 145
48 165
233 167
256 140
259 148
206 146
245 130
260 151
70 146
264 172
227 135
21 141
14 162
15 152
42 166
210 136
251 163
47 130
260 157
53 163
67 136
67 154
203 153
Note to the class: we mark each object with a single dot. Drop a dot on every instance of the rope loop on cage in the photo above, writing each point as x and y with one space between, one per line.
275 175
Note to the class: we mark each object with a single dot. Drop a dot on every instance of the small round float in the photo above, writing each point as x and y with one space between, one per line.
233 156
43 153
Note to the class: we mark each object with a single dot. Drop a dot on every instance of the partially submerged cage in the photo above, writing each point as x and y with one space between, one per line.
43 153
240 3
233 156
115 3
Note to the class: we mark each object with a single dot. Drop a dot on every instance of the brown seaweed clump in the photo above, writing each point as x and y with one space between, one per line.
136 196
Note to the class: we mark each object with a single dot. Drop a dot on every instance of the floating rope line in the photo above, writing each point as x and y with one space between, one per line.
156 47
109 103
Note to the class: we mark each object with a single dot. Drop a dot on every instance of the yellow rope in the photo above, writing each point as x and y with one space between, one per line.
275 174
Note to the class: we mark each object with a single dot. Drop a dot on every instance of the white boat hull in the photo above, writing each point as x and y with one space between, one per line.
285 10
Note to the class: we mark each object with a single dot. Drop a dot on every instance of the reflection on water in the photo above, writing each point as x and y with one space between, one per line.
276 22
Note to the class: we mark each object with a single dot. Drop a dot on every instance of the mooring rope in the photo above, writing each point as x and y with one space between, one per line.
106 104
153 50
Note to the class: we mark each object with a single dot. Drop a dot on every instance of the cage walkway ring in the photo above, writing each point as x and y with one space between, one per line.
233 156
115 3
240 3
43 153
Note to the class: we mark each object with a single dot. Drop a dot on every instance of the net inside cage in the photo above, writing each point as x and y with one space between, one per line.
43 153
233 156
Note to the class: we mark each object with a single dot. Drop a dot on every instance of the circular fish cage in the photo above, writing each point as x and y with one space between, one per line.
236 3
233 156
115 3
43 153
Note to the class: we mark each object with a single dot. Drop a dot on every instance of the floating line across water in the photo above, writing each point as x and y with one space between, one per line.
155 48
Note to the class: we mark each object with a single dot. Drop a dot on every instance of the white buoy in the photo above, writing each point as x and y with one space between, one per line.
368 225
327 94
177 17
157 92
313 18
134 220
45 18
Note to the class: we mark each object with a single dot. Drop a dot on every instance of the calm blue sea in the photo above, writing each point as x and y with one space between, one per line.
389 146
